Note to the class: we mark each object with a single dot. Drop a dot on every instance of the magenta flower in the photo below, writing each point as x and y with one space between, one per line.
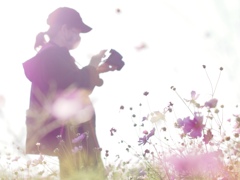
152 132
211 103
187 124
180 122
194 97
193 101
144 139
207 137
197 164
192 127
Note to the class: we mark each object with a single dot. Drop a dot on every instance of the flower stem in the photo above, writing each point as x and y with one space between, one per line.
216 84
184 102
210 82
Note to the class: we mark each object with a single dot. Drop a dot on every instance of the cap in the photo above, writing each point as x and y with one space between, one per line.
69 16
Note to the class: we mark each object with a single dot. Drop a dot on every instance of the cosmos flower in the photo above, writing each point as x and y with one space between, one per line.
145 138
156 116
211 103
194 97
192 127
152 132
207 137
197 164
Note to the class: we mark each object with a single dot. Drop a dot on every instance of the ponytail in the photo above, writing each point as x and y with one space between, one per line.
40 40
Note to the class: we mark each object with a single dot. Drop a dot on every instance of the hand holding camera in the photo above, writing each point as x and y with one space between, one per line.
111 63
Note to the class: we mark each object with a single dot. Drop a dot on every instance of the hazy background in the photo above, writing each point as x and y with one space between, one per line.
163 42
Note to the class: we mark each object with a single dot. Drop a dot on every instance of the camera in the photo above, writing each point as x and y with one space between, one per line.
115 59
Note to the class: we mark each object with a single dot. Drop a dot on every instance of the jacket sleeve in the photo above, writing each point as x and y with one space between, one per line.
58 66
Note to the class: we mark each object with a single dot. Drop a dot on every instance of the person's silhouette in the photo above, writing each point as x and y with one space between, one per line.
61 118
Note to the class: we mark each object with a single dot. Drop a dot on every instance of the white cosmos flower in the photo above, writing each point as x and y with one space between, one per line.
156 116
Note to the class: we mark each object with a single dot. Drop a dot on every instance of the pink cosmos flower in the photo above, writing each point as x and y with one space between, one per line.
207 137
211 103
198 164
152 132
144 139
193 127
207 163
194 97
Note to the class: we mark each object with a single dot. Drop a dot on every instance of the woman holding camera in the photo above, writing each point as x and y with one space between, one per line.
61 119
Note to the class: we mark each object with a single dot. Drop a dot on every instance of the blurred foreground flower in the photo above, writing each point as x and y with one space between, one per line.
73 105
195 165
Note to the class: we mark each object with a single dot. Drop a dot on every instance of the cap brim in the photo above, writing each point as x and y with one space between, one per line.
85 28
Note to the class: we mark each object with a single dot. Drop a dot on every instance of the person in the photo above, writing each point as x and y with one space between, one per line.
60 120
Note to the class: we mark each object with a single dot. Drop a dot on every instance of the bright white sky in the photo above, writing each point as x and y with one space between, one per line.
180 36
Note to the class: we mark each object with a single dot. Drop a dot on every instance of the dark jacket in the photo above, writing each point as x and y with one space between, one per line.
51 71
